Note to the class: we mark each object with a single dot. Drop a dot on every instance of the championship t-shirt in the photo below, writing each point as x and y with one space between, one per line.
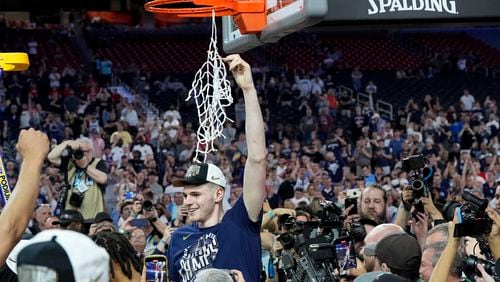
234 243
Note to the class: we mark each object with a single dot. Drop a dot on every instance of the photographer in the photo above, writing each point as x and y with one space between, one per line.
86 176
147 220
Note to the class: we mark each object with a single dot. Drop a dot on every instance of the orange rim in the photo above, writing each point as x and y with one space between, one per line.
154 6
250 15
221 7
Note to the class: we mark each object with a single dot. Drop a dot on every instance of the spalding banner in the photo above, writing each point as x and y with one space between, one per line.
407 11
4 183
439 6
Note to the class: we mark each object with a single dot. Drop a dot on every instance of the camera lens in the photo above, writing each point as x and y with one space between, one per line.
449 210
147 205
78 154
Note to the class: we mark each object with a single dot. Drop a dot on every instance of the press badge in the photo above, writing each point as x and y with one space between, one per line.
82 188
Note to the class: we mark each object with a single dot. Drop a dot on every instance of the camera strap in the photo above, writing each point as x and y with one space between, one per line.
64 187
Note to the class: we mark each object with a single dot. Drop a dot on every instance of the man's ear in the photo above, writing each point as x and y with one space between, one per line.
385 268
219 194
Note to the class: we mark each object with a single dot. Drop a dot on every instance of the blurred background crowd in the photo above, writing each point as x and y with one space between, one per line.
341 110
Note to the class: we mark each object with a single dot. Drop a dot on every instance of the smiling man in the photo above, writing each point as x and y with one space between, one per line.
216 239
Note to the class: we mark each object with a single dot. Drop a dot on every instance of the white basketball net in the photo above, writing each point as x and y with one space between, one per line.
212 93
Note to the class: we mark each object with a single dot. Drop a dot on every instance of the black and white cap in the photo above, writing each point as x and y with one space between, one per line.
61 255
201 173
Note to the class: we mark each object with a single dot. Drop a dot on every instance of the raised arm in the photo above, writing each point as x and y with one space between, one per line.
255 168
55 155
33 147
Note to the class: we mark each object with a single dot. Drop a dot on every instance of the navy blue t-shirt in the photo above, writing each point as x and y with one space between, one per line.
234 243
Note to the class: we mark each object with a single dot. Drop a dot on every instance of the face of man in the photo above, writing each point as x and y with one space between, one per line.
373 204
126 211
178 198
201 200
49 221
138 240
41 215
74 226
426 264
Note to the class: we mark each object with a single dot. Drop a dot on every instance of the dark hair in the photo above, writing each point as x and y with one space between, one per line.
120 251
376 187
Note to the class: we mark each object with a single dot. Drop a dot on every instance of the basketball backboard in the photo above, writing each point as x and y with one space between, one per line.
283 17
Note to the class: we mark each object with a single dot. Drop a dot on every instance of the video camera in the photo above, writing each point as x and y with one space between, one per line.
77 154
314 242
470 267
474 220
420 175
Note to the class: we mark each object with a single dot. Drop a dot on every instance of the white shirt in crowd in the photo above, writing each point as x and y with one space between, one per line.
468 101
144 149
130 116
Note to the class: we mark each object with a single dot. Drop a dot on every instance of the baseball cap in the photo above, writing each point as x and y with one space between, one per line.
201 173
68 216
102 216
400 252
56 255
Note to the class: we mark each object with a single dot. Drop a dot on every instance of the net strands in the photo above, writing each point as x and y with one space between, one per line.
212 93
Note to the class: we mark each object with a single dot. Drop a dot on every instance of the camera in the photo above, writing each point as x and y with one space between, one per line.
76 199
314 243
147 205
470 266
474 221
77 154
420 175
330 216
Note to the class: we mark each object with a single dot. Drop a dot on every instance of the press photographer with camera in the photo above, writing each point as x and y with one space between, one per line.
86 176
472 266
145 217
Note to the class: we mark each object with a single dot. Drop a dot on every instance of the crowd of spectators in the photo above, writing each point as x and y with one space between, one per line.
332 146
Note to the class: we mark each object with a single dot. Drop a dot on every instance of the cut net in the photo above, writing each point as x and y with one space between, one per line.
212 93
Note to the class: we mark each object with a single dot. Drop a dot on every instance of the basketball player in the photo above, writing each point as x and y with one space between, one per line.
216 239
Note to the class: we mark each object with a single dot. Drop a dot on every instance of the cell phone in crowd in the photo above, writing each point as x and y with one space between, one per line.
346 256
140 222
156 268
353 193
129 195
352 202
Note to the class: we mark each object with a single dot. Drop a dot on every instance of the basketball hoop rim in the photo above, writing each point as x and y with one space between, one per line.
221 7
152 6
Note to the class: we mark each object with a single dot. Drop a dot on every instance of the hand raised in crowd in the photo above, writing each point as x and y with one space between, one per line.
494 236
485 277
407 196
241 71
341 198
350 218
430 208
277 248
127 224
420 227
33 145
